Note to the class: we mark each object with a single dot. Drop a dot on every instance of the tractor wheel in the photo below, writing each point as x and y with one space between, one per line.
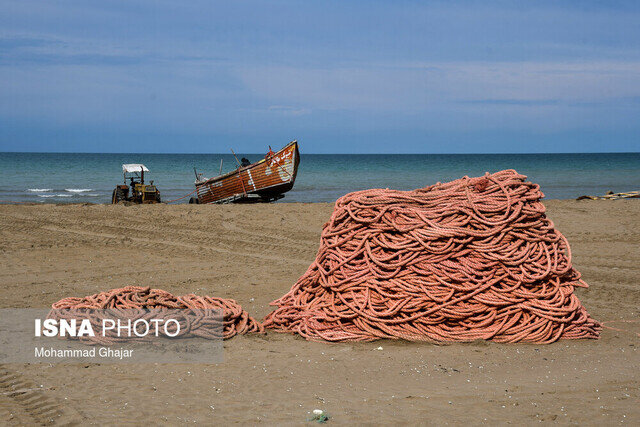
117 196
194 200
158 199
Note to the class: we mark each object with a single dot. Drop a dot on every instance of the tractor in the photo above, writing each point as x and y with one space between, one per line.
135 191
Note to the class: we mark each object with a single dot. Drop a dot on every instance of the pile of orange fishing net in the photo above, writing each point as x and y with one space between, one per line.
474 258
198 314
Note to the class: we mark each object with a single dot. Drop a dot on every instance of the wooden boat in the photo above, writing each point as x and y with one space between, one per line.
263 181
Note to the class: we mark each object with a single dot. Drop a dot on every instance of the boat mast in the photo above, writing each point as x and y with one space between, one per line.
234 155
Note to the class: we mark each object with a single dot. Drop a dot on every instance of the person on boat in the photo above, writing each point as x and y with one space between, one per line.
245 162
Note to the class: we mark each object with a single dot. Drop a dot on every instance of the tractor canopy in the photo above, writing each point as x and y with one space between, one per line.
134 167
135 171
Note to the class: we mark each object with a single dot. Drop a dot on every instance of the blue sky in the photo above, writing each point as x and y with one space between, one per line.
339 76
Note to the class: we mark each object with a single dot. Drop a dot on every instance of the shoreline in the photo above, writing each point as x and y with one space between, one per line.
44 203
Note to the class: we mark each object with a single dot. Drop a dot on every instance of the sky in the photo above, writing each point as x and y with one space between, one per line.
338 76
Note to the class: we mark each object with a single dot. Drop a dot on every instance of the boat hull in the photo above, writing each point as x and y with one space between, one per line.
265 180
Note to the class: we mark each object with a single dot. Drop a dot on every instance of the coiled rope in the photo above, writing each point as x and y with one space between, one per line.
197 314
475 258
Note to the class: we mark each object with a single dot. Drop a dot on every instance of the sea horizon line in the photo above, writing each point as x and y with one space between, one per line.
325 154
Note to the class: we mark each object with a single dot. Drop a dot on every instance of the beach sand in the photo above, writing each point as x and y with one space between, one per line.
254 253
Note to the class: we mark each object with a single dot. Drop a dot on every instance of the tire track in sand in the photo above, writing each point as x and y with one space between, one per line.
163 243
22 402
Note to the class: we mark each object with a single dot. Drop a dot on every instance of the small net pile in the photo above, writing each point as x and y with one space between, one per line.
475 258
198 315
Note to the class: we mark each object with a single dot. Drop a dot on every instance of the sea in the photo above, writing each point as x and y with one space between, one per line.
91 177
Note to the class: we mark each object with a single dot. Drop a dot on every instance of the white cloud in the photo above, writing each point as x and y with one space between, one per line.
288 110
407 87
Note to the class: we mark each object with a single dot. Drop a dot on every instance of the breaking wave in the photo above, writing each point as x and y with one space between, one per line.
77 190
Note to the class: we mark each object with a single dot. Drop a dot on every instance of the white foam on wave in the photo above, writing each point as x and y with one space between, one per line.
55 195
91 194
39 190
78 190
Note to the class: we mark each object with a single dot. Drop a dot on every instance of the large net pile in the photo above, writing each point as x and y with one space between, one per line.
475 258
198 315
